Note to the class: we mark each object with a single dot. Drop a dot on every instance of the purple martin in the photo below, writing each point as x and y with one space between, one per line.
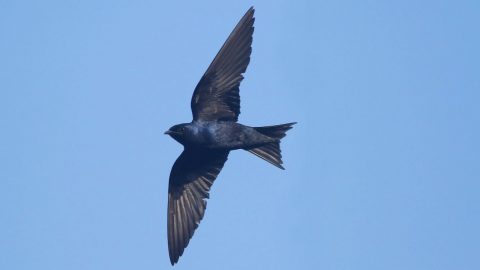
212 134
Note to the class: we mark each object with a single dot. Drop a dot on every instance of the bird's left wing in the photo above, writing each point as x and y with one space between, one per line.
191 177
216 96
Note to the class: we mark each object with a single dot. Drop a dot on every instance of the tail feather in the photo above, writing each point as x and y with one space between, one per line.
277 131
271 152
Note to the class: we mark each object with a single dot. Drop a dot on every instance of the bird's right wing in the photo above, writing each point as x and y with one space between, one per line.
191 177
216 96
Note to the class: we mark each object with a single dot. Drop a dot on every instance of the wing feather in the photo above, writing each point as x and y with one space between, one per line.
191 178
216 96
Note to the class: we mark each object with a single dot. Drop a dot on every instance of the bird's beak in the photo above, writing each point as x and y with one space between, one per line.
168 132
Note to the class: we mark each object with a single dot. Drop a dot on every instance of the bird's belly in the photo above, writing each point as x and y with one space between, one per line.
226 135
233 138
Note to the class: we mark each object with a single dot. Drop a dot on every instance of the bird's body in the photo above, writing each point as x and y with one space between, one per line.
212 134
224 135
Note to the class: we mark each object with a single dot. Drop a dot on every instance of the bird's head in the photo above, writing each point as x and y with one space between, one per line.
178 132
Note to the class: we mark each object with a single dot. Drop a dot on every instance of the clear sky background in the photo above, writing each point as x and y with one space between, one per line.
382 171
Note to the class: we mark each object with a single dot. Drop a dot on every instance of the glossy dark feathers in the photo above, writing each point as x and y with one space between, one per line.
212 134
216 96
271 152
191 177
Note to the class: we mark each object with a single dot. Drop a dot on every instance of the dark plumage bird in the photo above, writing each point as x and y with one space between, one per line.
212 134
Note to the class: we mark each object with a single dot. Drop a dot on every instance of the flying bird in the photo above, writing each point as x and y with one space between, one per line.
212 134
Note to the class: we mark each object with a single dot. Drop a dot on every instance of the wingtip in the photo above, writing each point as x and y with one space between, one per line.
173 261
250 11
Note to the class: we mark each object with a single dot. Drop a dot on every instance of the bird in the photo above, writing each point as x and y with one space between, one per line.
212 134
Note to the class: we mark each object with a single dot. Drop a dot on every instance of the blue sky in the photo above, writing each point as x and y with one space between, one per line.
382 171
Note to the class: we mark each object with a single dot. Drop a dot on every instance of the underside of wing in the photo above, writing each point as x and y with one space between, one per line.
216 96
191 177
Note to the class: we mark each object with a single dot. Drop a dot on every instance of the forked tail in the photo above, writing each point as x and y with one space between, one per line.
271 152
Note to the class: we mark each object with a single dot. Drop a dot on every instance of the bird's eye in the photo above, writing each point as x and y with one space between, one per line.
182 129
